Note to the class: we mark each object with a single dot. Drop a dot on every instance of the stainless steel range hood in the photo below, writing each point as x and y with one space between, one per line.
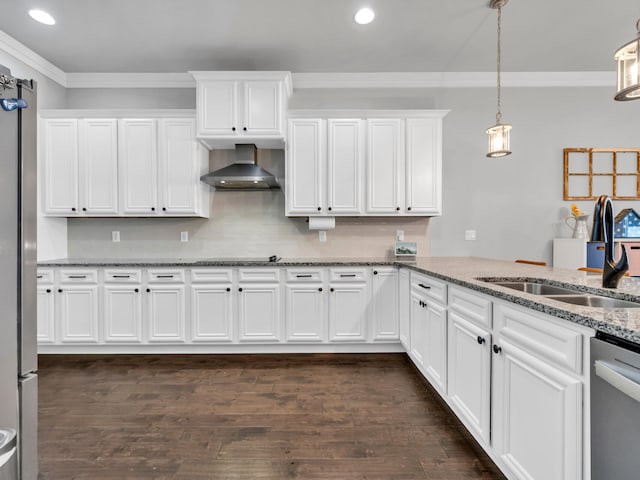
243 174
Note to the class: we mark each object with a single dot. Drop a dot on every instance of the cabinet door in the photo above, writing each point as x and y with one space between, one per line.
166 313
60 154
122 314
469 374
137 164
423 166
262 108
404 308
385 166
259 313
418 327
217 107
384 300
345 154
537 417
212 313
78 314
178 168
46 317
348 312
435 345
305 167
98 166
306 312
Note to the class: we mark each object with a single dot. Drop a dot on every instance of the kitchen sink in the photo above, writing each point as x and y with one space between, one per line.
563 294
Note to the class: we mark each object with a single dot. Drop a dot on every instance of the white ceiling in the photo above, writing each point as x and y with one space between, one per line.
320 36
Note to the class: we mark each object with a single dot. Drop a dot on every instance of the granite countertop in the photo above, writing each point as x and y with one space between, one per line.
464 271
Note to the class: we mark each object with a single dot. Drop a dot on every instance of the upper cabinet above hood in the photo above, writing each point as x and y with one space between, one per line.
242 107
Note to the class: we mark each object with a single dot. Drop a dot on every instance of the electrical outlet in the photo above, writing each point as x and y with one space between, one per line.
322 235
400 235
469 234
115 236
184 236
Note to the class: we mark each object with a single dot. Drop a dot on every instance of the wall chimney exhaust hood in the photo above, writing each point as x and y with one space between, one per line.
243 174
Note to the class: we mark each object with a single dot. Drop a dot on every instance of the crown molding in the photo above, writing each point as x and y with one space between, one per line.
452 79
130 80
30 58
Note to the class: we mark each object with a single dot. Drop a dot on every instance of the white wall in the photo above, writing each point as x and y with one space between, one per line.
515 203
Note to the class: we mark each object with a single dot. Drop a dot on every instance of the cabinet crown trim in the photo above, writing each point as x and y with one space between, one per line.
365 113
118 113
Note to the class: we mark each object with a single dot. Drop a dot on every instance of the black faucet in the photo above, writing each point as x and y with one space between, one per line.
612 271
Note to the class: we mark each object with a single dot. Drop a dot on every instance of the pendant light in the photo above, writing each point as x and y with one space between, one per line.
498 135
628 58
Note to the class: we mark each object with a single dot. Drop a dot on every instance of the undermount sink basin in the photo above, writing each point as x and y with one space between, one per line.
562 294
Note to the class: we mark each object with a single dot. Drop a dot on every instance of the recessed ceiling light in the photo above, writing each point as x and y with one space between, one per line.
364 16
42 17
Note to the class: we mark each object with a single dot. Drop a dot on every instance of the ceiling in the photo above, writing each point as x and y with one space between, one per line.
98 36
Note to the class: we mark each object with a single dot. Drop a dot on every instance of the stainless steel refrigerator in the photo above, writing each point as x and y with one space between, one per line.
18 318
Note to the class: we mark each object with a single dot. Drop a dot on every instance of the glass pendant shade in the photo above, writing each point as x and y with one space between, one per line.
499 140
628 86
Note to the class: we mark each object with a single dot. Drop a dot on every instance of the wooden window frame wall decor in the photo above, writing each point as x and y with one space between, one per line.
590 173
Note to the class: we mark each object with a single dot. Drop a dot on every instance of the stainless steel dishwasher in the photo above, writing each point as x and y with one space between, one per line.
615 409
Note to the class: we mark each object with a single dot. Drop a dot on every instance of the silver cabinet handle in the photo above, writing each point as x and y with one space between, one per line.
620 378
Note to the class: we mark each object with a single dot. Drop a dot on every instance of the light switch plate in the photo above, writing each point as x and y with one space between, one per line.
469 234
115 236
400 235
184 236
322 235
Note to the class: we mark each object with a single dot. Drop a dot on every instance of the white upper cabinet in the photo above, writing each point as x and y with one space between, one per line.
138 166
364 162
242 107
95 165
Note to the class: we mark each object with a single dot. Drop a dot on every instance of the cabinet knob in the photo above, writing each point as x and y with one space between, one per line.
397 209
148 290
164 209
228 289
240 289
84 209
481 340
497 349
137 290
319 209
320 289
331 289
375 272
153 209
329 208
233 129
59 290
409 208
244 128
73 209
48 290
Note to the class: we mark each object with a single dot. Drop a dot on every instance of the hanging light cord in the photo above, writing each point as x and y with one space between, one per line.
499 113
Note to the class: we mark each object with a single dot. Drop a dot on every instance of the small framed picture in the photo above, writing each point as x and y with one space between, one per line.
406 249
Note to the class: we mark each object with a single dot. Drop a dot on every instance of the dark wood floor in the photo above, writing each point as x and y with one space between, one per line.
341 417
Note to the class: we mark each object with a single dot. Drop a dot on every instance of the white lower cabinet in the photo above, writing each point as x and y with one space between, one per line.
384 303
78 313
537 404
404 308
348 301
122 313
305 305
46 317
259 305
166 313
211 313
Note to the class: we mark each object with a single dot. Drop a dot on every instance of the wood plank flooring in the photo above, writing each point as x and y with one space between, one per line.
231 417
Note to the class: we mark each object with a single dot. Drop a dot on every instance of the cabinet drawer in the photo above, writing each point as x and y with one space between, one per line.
258 275
471 306
211 275
429 287
122 276
78 276
44 276
304 275
165 276
347 274
543 338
